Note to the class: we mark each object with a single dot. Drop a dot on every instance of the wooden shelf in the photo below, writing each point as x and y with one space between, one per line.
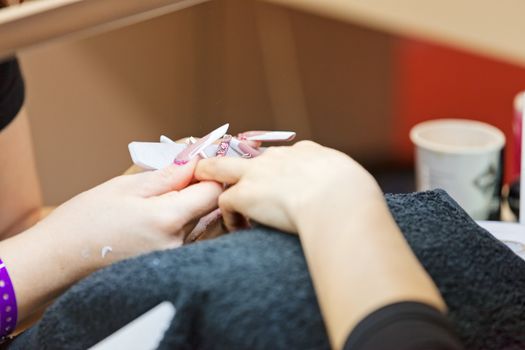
491 28
37 22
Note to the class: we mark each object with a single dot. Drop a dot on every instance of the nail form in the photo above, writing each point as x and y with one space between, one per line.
193 150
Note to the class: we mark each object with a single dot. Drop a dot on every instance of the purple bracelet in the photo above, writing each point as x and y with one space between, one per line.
8 308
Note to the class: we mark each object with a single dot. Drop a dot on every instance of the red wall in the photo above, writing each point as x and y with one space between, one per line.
432 81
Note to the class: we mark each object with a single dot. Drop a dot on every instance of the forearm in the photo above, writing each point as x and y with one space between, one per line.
20 195
41 266
359 262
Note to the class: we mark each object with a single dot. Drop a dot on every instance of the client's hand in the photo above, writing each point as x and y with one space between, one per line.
132 214
287 184
356 254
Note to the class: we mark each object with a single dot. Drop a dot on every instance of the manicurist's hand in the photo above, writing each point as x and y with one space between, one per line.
133 214
286 185
124 217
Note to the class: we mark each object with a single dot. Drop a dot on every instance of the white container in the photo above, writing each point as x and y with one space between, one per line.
463 157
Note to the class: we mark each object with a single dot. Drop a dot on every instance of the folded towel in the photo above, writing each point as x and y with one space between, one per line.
251 290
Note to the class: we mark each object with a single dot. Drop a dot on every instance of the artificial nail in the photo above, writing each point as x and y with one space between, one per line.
267 136
200 145
243 149
191 141
203 225
248 150
222 150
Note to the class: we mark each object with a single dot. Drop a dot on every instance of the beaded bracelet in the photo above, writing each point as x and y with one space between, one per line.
8 308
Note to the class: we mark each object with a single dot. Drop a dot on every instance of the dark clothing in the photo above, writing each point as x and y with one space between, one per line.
252 290
403 326
11 91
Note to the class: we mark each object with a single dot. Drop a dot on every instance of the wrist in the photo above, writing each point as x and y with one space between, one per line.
39 267
354 201
67 255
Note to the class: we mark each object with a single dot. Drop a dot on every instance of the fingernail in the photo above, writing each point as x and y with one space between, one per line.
248 150
243 149
267 136
194 149
203 224
189 152
180 162
191 141
245 135
222 150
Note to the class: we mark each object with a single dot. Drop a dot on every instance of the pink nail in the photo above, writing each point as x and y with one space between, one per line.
249 152
222 150
244 136
267 136
192 140
203 224
193 150
180 162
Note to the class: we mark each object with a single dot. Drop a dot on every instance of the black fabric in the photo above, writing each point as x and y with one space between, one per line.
251 290
11 91
404 326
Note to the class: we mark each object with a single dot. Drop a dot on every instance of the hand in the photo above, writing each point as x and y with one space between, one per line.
286 185
131 214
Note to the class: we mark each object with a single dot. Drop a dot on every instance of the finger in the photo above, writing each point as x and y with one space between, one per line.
229 204
171 178
205 223
234 221
192 202
225 170
214 230
187 229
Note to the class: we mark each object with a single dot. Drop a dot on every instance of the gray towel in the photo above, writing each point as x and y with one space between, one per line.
251 290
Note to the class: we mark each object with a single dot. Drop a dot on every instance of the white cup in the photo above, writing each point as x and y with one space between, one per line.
463 157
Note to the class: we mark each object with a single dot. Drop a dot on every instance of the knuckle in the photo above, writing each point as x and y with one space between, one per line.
274 151
271 151
306 143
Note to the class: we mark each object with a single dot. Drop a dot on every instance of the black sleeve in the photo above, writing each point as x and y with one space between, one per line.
11 91
404 326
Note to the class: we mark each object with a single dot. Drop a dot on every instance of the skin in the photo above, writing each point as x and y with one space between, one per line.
346 230
21 197
132 214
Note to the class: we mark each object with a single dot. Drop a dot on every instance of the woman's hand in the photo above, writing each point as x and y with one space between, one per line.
357 257
133 214
124 217
288 184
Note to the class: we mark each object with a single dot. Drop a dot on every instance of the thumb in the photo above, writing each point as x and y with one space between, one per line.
191 203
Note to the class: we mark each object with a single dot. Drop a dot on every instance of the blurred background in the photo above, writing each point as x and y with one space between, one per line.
257 66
